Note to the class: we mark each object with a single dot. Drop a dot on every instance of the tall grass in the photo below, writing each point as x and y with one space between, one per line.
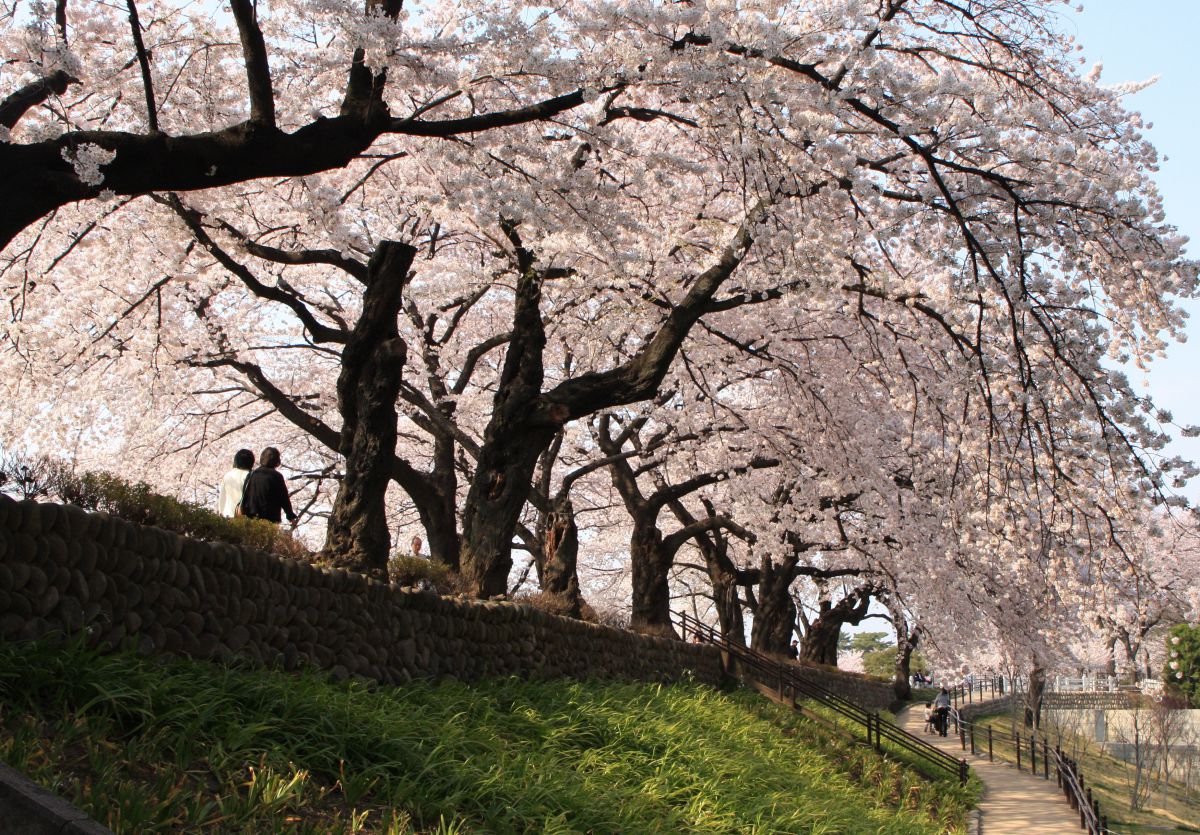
154 746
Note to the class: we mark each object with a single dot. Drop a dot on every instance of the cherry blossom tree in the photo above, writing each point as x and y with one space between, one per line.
903 241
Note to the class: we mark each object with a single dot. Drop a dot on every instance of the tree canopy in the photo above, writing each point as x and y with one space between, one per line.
805 290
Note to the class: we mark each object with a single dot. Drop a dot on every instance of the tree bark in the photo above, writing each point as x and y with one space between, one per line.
775 616
368 387
906 644
520 429
820 642
651 568
439 509
524 420
725 595
1034 696
557 559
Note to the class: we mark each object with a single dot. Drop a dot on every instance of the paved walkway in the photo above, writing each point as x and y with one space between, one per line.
1014 803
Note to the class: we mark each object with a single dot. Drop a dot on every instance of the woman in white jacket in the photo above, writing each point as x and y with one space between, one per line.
233 483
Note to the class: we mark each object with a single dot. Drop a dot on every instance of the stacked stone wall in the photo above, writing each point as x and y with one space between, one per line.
1115 700
868 693
64 570
971 712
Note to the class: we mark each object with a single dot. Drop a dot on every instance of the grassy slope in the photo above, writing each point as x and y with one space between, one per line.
161 746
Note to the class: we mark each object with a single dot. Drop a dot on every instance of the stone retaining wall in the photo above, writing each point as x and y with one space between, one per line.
1116 700
971 712
868 693
63 569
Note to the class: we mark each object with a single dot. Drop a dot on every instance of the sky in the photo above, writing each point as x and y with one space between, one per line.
1136 41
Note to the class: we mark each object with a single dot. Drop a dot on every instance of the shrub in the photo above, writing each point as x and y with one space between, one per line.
551 604
612 618
409 570
137 502
1182 669
881 663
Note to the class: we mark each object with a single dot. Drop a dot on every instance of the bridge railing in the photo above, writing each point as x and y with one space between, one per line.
789 683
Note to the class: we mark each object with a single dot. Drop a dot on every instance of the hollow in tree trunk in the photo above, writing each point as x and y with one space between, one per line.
556 563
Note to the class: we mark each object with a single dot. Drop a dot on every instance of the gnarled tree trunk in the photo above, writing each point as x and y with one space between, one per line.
775 615
556 561
820 641
651 567
1034 695
368 386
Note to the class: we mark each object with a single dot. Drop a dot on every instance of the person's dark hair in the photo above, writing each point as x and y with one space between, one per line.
269 457
243 459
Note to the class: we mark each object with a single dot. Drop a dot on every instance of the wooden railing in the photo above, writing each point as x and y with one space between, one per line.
786 680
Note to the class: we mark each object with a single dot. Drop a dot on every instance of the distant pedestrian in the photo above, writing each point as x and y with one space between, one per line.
941 707
416 544
794 650
229 499
265 495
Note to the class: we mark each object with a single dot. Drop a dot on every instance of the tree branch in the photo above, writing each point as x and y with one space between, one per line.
356 269
254 55
144 63
15 105
194 222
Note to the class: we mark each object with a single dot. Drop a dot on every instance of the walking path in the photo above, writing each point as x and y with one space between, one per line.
1014 803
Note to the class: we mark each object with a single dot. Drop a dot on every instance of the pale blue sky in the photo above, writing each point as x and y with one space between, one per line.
1136 41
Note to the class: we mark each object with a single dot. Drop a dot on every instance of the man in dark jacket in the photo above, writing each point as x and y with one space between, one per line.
265 495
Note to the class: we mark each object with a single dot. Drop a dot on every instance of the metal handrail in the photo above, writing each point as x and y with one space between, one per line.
785 676
1070 778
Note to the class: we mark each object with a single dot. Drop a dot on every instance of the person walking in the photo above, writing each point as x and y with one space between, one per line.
265 495
941 707
229 498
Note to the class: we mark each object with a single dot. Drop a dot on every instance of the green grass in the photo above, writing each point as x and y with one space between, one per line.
158 746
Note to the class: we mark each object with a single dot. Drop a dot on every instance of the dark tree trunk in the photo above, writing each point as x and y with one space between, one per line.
1110 664
820 642
520 429
368 386
729 607
556 561
775 616
524 420
902 683
651 613
440 513
722 573
906 643
1034 696
494 502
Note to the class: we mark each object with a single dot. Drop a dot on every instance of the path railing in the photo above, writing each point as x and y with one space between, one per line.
788 683
1030 751
981 689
